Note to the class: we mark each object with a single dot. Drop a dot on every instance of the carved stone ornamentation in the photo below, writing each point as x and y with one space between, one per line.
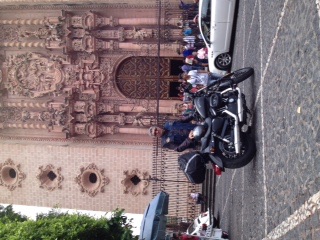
11 114
85 44
139 34
122 119
9 33
91 180
135 182
49 33
86 21
91 129
33 75
10 175
50 178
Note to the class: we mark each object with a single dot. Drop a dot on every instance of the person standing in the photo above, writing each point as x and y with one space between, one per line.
201 77
198 198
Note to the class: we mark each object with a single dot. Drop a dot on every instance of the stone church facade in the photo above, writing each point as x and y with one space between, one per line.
79 86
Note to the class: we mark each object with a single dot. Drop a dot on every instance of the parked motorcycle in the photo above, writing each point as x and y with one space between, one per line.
224 134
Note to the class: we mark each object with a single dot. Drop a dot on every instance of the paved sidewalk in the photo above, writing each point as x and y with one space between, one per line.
277 195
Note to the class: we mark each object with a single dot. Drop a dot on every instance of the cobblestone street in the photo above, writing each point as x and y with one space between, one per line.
277 195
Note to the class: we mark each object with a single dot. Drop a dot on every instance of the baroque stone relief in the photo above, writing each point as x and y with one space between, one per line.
91 180
83 72
52 29
11 175
9 33
135 182
50 178
33 75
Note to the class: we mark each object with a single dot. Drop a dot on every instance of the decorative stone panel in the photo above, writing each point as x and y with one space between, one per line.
135 182
10 175
91 180
50 178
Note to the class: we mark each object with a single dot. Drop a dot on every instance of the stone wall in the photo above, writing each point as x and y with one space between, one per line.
80 55
30 2
111 160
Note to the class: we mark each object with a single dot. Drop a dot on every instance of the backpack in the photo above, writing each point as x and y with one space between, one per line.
194 167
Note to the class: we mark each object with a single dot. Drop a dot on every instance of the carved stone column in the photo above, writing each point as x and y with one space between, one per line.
127 130
26 104
25 125
121 34
20 22
138 21
23 44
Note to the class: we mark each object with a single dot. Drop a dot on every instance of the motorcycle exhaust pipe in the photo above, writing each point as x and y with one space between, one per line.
239 102
236 131
240 105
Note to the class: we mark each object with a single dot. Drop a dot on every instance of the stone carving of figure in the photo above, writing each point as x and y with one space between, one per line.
49 32
141 33
79 106
33 75
80 128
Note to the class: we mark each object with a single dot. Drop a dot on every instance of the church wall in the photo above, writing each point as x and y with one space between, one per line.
114 160
32 2
78 128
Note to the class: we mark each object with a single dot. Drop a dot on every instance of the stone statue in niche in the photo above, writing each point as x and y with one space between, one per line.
90 78
86 21
90 110
46 33
77 33
35 116
90 129
81 118
80 128
79 106
33 75
85 44
90 75
52 30
140 34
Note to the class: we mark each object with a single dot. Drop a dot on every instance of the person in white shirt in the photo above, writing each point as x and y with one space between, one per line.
201 77
198 198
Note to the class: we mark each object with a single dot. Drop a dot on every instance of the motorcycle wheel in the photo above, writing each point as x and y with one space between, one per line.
232 160
240 75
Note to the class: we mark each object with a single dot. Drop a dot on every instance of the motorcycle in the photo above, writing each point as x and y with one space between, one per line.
224 133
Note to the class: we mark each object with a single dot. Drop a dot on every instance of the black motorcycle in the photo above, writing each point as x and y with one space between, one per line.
224 134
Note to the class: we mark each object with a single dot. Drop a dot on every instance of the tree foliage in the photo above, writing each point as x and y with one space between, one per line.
56 226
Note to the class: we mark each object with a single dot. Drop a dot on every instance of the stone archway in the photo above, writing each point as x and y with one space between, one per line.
136 78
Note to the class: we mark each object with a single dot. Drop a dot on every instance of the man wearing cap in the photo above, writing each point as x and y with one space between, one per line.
176 135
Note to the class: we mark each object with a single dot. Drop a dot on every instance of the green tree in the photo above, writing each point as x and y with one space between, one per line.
56 226
8 215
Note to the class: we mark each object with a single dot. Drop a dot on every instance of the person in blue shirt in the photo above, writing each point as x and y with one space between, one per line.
189 6
175 135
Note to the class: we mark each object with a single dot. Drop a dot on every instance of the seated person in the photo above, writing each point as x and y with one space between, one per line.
176 135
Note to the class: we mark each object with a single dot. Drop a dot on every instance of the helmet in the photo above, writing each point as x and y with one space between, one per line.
199 131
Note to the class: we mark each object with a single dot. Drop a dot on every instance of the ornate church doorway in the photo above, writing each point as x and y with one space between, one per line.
137 77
